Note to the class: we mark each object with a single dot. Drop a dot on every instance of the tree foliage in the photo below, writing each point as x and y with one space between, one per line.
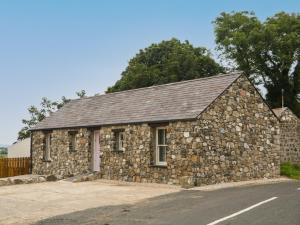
268 52
168 61
3 151
37 114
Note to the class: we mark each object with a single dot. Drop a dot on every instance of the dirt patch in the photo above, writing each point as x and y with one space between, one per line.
27 203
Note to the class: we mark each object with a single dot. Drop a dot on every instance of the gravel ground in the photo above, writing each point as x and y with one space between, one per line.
28 203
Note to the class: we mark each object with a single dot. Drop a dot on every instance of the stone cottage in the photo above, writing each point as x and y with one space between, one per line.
205 131
289 135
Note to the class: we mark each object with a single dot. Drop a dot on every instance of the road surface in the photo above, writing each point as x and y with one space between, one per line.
271 204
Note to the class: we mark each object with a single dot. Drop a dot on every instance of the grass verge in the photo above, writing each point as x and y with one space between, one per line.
290 170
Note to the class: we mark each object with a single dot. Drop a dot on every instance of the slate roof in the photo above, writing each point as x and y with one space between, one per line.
278 111
168 102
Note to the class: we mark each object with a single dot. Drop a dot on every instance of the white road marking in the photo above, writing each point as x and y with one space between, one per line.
298 189
242 211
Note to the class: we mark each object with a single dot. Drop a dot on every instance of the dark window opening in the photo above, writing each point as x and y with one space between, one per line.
72 141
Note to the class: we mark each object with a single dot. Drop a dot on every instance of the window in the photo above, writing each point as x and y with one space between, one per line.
161 147
47 150
118 140
72 141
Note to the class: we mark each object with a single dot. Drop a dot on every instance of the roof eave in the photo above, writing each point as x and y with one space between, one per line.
112 124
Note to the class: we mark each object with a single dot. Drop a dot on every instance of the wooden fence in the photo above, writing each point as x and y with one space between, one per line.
10 167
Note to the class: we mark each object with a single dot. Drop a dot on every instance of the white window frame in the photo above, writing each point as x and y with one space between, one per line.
121 141
47 155
157 162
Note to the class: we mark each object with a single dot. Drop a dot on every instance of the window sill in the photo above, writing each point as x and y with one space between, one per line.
47 160
159 166
118 151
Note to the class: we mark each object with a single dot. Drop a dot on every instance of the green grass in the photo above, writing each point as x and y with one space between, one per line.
290 170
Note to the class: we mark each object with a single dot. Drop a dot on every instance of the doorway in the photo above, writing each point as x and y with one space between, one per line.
96 152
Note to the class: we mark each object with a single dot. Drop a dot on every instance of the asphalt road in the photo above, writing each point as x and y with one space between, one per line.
272 204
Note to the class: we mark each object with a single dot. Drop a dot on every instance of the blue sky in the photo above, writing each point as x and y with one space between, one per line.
53 48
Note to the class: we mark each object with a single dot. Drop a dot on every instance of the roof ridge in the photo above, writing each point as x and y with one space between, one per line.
161 85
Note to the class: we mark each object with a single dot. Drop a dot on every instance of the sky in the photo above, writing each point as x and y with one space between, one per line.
53 48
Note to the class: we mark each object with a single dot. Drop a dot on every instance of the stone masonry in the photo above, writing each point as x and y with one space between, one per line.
236 138
289 137
63 162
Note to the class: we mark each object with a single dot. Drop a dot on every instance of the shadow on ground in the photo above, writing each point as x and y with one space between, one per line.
194 207
146 212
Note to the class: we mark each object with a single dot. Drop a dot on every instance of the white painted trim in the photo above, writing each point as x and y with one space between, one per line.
157 162
242 211
96 151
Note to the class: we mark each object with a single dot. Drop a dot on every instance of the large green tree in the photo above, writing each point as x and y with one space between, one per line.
37 114
267 51
165 62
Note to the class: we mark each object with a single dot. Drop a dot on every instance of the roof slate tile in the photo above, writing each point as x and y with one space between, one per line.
174 101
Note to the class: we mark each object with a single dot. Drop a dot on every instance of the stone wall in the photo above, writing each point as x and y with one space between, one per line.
135 163
235 138
289 137
239 136
63 162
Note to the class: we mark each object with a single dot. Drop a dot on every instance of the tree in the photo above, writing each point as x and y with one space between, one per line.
81 94
268 52
3 151
37 115
168 61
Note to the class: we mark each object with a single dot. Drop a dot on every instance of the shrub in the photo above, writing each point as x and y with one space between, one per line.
290 170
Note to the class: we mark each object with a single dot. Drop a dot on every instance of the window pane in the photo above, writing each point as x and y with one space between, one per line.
72 142
161 137
162 153
121 140
47 147
121 136
116 141
115 145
